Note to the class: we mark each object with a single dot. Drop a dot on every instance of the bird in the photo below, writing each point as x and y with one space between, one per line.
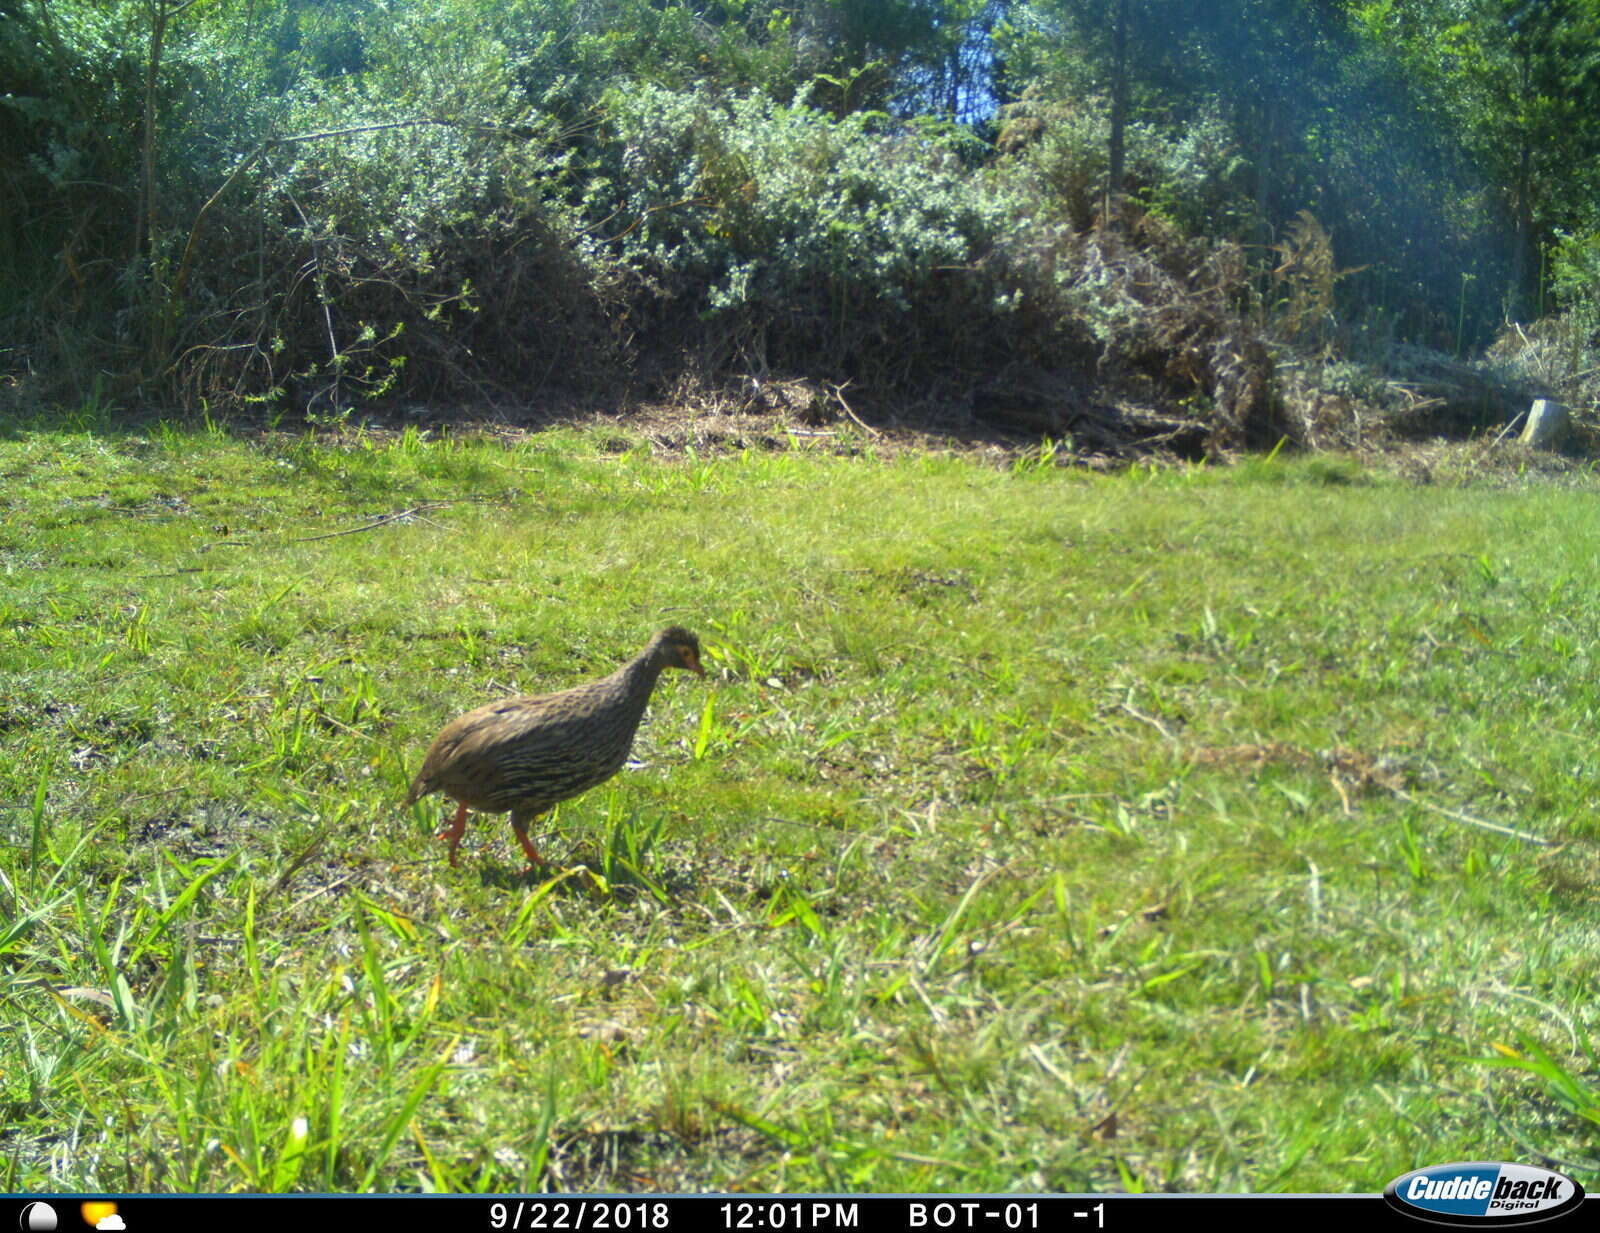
526 754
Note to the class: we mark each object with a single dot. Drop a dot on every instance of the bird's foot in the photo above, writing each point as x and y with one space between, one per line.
535 861
453 831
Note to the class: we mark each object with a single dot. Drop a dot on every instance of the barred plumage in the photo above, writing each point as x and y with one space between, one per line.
527 754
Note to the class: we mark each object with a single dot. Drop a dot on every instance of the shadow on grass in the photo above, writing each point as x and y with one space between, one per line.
625 867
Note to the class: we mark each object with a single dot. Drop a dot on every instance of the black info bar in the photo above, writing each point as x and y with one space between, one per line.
725 1213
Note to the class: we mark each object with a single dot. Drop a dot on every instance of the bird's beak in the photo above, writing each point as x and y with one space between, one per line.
694 665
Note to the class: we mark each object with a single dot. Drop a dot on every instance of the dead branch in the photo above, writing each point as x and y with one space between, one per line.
381 521
838 393
1456 815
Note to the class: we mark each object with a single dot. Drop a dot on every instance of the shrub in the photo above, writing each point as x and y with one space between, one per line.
857 244
456 203
1194 176
408 237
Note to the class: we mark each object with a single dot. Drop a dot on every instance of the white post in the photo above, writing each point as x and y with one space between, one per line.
1547 423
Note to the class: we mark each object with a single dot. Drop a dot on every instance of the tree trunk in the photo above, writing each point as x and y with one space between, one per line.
1266 151
1117 154
1520 263
1517 298
144 225
999 76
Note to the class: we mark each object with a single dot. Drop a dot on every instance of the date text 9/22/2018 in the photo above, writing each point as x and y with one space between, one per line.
578 1215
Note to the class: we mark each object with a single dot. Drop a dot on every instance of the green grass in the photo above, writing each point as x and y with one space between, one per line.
1031 831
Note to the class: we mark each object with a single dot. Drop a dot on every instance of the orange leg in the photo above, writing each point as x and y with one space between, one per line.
519 823
453 831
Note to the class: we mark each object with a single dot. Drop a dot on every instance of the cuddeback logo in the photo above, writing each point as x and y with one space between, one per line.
1481 1192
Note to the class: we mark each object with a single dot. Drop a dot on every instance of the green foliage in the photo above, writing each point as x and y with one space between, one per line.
1575 280
1192 175
312 205
1560 353
1288 108
799 234
352 201
1518 83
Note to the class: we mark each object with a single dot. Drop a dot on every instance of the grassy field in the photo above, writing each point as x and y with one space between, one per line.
1195 830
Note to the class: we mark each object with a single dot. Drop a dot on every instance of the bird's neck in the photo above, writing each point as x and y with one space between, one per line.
641 673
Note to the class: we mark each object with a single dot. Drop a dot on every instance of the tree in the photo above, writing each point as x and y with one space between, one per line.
1117 149
1520 82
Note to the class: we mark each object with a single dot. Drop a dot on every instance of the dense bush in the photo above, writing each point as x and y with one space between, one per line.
442 206
853 247
1194 175
424 250
314 206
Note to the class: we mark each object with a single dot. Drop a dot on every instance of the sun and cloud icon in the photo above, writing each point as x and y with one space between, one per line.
102 1215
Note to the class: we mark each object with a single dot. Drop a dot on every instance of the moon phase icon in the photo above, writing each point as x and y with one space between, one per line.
37 1218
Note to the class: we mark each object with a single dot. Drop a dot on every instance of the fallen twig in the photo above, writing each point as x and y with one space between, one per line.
1510 424
1147 719
381 521
1457 816
305 854
321 890
838 392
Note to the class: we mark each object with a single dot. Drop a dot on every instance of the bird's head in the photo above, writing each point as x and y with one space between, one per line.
678 648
